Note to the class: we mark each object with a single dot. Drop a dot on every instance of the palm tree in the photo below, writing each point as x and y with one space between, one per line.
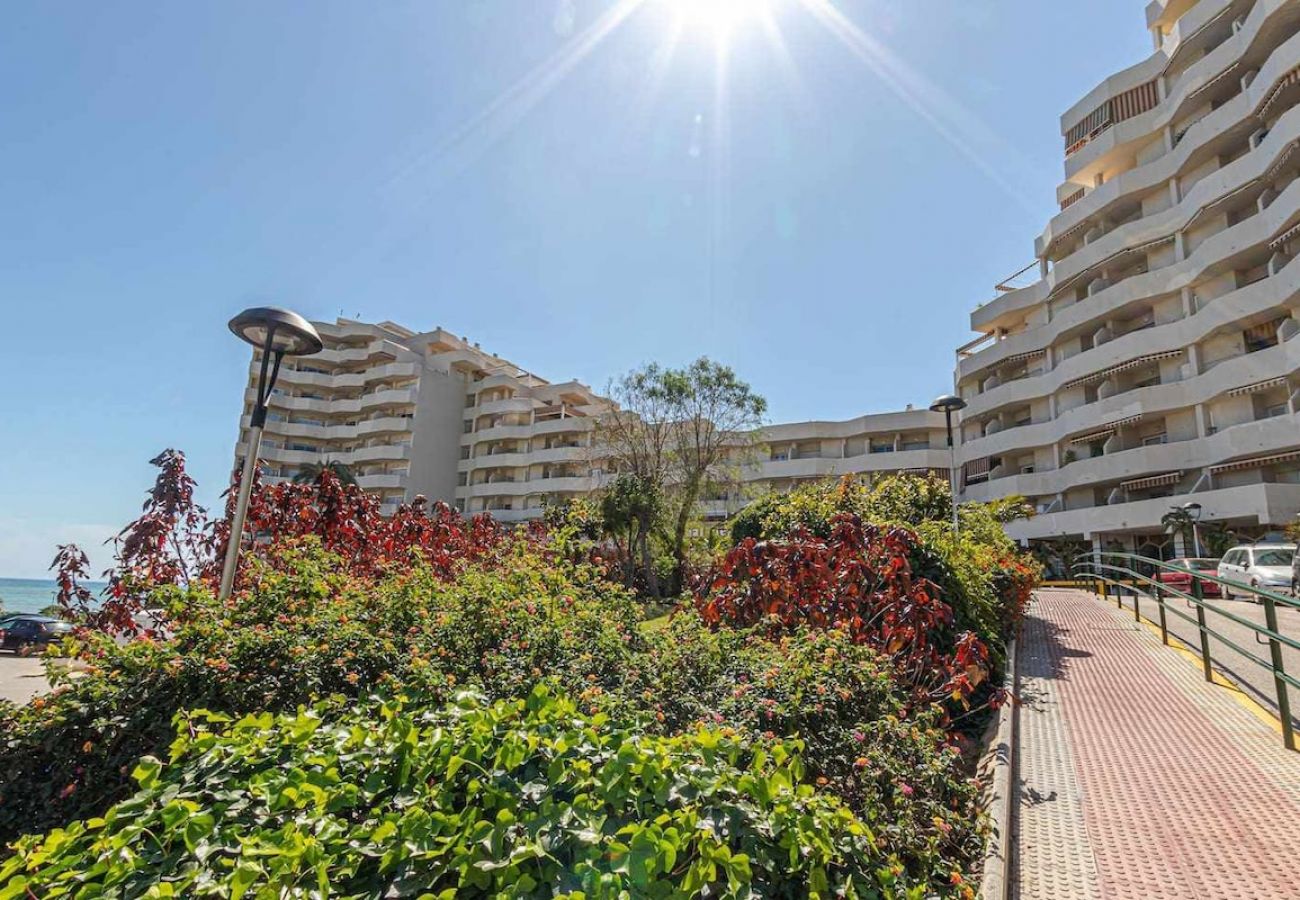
1178 521
311 472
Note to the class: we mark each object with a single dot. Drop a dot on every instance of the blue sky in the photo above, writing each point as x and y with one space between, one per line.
823 219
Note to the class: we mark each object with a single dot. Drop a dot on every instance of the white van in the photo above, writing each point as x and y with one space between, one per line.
1266 566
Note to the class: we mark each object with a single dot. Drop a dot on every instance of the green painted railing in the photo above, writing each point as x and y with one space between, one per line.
1127 572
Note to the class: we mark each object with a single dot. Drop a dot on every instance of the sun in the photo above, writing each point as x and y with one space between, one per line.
718 16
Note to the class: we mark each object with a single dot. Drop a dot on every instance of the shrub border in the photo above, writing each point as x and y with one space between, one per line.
997 767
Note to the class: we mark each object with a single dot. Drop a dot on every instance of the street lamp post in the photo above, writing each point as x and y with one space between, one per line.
949 404
1193 511
277 333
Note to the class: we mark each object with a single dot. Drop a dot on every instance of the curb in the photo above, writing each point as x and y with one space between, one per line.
998 768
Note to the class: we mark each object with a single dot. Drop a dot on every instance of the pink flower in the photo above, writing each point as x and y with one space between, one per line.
859 736
906 789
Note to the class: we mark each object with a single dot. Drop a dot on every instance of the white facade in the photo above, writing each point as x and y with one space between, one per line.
432 414
1151 361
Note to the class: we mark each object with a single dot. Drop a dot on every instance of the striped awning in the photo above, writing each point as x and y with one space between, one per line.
1092 436
1215 80
1282 160
1257 387
1138 484
1256 462
1283 83
1021 357
1135 363
1134 101
1284 237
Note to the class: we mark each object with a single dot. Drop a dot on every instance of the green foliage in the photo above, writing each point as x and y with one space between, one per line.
309 628
519 799
892 763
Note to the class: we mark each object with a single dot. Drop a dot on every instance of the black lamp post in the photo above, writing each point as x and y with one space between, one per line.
1193 511
949 404
277 333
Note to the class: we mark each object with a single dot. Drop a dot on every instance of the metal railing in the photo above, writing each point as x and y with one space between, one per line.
1116 572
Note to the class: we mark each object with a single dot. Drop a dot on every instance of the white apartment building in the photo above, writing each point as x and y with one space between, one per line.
1151 361
430 413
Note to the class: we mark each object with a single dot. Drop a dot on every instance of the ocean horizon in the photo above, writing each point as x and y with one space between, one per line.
31 595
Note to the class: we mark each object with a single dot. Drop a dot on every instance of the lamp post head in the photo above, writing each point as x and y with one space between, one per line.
289 332
1193 510
947 404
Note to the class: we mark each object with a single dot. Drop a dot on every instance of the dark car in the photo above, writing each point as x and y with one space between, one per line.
1182 580
23 632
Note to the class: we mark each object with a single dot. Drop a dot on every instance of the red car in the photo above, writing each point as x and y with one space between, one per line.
1182 581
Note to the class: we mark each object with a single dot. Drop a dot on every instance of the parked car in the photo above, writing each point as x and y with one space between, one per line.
1267 566
24 631
1180 577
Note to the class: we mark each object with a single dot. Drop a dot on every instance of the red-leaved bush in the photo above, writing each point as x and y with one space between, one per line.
859 581
175 542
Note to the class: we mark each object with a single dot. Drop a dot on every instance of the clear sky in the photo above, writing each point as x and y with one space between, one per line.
818 200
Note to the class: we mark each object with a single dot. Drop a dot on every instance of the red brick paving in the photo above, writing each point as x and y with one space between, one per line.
1176 803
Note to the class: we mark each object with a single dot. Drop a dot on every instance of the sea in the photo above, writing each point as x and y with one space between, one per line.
34 594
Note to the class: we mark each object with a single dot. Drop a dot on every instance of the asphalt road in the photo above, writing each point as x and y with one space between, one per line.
21 678
1252 678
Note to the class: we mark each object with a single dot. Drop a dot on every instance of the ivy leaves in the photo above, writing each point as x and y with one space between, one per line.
528 798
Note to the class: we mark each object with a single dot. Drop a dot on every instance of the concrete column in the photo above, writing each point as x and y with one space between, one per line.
1189 302
1199 415
1180 246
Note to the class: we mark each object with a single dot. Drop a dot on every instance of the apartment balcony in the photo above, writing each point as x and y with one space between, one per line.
1188 456
570 485
340 405
823 467
1274 504
1154 401
574 424
1156 172
517 405
383 481
350 380
367 427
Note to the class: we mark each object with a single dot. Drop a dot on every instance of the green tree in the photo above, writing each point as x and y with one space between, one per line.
1179 522
630 508
680 433
713 434
310 472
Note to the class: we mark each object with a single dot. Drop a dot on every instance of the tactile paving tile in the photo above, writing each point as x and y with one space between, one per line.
1184 795
1051 856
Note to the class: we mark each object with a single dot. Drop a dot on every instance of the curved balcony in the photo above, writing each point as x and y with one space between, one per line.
350 380
823 467
1280 289
1157 399
382 425
383 481
1152 174
1188 456
1252 503
507 405
882 425
341 405
1205 194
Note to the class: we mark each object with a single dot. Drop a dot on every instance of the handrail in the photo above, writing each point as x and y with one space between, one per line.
1121 570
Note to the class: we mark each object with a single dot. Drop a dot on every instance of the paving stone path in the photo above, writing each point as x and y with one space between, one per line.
1137 779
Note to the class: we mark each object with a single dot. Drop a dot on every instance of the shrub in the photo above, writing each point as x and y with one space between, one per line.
860 580
306 626
519 799
979 572
892 762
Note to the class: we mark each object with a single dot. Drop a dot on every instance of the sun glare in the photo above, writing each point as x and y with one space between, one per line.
718 16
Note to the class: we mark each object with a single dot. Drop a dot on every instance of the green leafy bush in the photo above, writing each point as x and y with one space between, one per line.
308 626
517 799
894 764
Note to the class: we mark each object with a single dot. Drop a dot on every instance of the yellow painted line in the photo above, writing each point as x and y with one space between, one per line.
1253 706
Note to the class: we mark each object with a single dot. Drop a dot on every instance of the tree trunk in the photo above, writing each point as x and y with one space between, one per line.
647 561
689 495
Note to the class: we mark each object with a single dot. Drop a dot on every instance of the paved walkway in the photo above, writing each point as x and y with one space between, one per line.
1137 778
21 678
1251 678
